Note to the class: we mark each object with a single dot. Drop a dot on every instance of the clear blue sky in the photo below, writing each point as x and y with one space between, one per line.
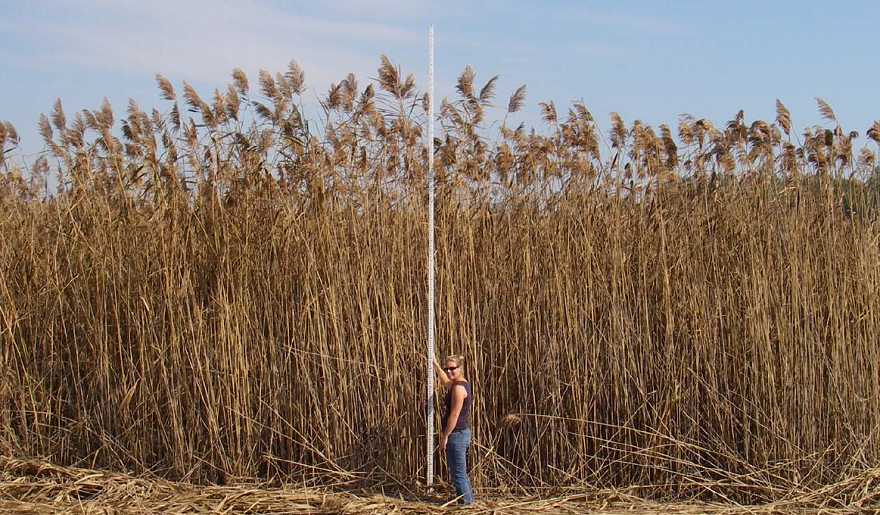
648 60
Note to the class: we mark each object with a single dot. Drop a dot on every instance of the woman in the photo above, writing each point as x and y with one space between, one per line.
455 433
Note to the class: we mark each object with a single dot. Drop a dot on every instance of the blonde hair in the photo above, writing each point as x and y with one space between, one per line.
458 359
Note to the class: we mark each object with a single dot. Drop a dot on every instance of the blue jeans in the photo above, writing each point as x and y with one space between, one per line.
456 458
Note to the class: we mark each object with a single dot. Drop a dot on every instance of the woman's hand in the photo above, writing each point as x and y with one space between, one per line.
443 440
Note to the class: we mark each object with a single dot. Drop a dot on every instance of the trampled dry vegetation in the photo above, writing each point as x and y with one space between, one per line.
228 290
36 488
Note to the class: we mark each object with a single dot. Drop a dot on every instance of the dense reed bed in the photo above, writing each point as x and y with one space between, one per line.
243 294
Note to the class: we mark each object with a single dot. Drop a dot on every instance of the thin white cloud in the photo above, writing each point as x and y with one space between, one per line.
204 40
247 18
391 8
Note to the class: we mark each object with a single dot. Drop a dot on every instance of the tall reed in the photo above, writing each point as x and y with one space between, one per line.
239 296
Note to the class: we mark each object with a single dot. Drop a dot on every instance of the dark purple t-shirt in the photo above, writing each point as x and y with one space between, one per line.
462 422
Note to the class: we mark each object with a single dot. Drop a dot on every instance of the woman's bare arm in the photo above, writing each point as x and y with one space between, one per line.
444 380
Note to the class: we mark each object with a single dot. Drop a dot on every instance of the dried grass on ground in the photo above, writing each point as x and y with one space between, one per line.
37 488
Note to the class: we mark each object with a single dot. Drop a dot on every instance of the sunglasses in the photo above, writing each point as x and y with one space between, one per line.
450 369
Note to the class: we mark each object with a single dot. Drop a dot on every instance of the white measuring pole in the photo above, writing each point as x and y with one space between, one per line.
429 480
